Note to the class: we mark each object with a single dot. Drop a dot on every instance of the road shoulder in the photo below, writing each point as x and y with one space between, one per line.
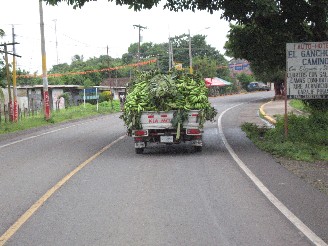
314 173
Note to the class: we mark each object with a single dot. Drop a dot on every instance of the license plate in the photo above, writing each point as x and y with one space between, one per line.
139 145
166 139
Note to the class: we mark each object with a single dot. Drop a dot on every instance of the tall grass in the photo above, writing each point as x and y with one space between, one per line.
71 113
307 137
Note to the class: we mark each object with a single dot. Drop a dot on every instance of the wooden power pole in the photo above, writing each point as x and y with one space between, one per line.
13 115
140 28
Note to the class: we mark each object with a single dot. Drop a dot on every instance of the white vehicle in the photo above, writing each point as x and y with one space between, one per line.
157 127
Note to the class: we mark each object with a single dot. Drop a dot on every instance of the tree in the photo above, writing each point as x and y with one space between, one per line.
148 51
245 79
264 28
205 67
199 48
277 22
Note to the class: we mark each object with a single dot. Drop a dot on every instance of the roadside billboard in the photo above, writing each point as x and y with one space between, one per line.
307 70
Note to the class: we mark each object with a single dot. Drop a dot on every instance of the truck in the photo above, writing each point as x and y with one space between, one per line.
157 127
166 109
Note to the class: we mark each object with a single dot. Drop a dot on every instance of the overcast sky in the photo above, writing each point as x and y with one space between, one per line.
88 31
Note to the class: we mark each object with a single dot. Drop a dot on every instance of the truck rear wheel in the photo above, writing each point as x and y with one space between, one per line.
198 148
139 150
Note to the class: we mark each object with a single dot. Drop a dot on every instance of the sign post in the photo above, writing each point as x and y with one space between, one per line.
286 113
307 70
91 94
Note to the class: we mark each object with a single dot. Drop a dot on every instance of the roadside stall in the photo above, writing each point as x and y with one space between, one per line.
216 86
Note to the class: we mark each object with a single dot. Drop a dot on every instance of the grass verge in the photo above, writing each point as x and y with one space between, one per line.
307 137
63 115
298 104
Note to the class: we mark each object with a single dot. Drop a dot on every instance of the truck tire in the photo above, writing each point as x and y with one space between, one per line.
139 150
198 148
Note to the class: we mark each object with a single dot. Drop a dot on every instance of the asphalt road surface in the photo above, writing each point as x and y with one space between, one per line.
81 183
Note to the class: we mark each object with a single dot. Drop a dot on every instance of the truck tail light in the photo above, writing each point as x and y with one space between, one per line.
140 133
193 132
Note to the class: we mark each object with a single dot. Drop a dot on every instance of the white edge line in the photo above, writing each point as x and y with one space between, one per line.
281 207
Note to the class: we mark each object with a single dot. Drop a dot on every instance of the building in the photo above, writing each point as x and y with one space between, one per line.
237 66
116 85
30 97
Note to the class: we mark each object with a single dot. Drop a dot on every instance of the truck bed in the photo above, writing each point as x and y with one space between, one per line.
162 119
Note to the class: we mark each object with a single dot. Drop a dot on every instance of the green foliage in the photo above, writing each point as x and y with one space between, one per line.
63 115
137 6
200 50
154 91
105 96
245 79
79 65
261 37
314 107
317 105
307 137
299 104
205 67
88 83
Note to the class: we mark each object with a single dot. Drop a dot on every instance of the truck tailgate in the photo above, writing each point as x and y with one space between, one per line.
162 119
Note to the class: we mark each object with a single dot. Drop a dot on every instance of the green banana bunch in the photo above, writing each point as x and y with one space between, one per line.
154 91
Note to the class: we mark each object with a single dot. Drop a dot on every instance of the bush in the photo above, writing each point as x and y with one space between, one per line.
245 79
317 105
307 137
105 96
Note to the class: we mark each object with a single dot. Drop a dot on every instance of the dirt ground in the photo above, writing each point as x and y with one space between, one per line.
315 173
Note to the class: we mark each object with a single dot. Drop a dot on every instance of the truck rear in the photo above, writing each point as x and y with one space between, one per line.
159 128
166 109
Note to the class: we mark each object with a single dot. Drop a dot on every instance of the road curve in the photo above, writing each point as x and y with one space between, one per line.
167 196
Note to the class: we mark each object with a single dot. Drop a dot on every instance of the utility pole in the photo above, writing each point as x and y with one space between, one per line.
46 103
190 56
170 51
55 20
15 109
10 104
8 82
140 28
172 58
171 61
109 74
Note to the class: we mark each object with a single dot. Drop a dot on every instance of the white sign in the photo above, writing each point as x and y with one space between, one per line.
307 70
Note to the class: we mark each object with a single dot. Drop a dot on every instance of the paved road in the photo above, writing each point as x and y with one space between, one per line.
166 196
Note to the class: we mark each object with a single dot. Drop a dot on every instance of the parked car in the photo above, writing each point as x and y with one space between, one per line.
257 86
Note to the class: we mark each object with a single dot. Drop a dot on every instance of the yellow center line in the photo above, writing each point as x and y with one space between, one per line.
14 228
